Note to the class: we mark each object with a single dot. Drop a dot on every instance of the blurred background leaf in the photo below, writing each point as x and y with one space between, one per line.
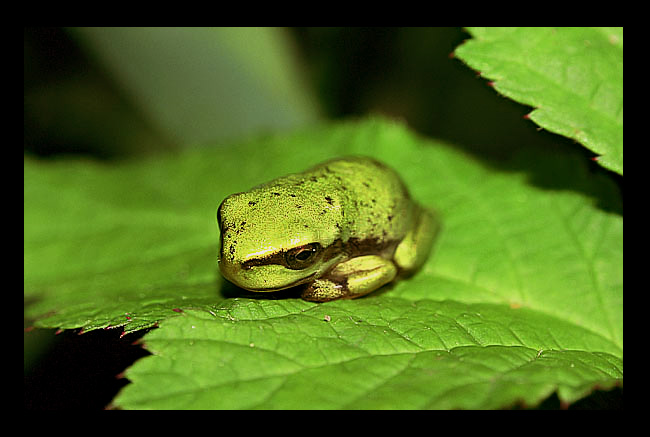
207 84
169 87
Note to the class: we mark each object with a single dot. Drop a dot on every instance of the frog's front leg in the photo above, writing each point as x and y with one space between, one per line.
352 278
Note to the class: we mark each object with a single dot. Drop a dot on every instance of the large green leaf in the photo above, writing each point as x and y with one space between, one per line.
381 352
573 77
522 296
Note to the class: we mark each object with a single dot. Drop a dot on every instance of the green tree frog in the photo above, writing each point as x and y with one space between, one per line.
341 229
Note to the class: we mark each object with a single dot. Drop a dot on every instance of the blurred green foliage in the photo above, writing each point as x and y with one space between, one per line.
111 92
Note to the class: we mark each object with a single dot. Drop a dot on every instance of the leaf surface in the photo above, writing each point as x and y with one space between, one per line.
436 355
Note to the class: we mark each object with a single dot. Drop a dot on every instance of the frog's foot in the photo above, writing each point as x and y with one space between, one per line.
353 278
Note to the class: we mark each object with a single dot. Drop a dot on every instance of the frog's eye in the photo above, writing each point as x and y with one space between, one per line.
302 257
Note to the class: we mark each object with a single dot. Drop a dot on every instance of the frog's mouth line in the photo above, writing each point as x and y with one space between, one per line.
291 285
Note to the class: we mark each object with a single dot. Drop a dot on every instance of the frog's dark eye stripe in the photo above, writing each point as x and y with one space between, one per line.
297 258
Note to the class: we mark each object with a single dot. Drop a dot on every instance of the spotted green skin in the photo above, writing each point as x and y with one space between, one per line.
341 229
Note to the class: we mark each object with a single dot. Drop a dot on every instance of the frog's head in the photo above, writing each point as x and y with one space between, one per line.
278 237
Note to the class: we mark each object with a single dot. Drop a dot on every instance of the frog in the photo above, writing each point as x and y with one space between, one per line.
339 230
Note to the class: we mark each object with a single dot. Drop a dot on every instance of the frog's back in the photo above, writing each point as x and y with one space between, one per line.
377 204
